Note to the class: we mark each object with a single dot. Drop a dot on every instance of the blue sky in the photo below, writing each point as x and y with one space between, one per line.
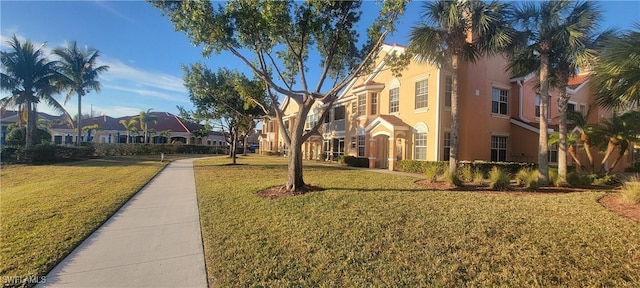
145 53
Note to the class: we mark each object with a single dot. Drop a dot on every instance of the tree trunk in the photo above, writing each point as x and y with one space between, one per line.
244 145
617 160
453 148
563 100
543 148
572 152
78 122
234 146
295 180
610 146
587 150
31 121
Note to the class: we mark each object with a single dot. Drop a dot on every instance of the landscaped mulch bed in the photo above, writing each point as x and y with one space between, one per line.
614 203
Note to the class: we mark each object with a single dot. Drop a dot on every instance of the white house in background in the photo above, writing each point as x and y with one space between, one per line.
168 128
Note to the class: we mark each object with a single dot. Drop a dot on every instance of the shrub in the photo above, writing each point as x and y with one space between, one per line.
607 179
631 191
465 173
416 166
17 136
453 178
47 153
432 172
478 178
105 149
354 161
498 179
579 179
553 177
528 178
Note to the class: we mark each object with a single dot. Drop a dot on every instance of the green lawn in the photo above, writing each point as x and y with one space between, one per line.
373 229
46 211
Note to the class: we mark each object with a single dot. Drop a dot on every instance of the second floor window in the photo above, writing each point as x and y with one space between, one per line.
362 105
421 94
499 101
538 107
374 103
394 100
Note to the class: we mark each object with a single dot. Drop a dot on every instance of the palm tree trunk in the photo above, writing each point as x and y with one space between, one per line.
79 120
453 148
587 150
610 146
572 152
563 100
30 124
543 148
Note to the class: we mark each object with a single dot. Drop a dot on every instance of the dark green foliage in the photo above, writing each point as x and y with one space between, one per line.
17 136
415 166
155 149
47 153
354 161
580 179
608 179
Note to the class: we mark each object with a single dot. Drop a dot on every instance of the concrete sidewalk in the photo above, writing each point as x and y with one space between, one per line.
154 240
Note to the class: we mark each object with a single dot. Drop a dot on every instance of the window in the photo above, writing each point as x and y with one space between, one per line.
394 100
374 103
446 146
362 105
361 142
421 94
354 107
498 148
553 153
583 108
571 107
448 90
339 113
499 101
421 146
538 107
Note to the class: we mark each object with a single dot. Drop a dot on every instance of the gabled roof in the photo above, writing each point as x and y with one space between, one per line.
168 121
388 121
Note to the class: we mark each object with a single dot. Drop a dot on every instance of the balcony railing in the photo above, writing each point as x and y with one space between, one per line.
336 125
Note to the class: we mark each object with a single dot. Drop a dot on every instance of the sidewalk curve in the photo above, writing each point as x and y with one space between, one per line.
154 240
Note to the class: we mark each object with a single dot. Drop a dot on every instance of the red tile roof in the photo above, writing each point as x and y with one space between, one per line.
576 81
393 120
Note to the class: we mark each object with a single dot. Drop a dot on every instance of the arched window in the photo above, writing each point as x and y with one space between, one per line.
420 141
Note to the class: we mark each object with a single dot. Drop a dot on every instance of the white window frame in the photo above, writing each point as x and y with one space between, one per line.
361 145
500 98
421 94
448 90
497 145
394 100
362 105
374 103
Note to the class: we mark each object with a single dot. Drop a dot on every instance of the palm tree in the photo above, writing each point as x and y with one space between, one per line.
30 78
581 124
617 77
444 40
81 74
129 126
549 30
619 131
572 139
145 118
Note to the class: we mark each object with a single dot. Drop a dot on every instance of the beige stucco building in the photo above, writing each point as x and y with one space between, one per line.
386 118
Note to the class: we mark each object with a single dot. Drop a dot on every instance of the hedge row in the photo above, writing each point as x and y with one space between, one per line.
354 161
106 149
46 153
415 166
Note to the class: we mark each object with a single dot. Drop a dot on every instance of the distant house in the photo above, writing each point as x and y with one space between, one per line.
9 117
168 128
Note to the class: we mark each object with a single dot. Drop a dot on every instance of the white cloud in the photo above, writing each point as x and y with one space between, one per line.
149 93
